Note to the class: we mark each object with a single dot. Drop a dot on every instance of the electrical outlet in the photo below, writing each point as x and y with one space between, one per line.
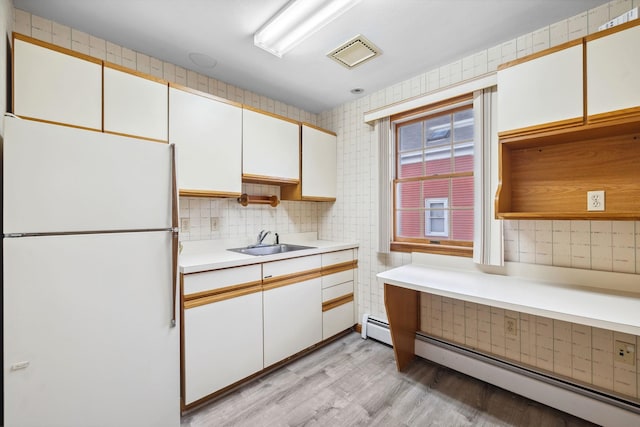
595 200
214 223
185 225
625 352
511 326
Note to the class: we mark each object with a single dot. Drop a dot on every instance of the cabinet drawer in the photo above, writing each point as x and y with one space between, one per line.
337 278
339 257
216 279
337 291
337 320
290 266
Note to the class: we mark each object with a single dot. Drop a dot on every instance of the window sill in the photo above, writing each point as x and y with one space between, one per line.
462 251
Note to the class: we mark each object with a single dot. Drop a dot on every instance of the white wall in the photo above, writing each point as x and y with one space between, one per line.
601 245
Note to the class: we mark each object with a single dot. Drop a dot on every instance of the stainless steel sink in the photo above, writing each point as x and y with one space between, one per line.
269 249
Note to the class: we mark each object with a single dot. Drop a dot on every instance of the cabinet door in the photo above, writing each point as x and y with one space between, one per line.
319 171
135 105
292 319
56 85
270 147
222 344
613 62
208 138
544 91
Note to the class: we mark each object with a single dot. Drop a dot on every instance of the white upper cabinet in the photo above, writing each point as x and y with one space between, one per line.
135 105
613 64
319 171
208 138
543 90
270 147
56 85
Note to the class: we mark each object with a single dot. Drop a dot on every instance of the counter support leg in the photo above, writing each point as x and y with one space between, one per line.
402 312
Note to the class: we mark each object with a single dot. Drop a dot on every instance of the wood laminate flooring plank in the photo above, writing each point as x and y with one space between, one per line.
354 382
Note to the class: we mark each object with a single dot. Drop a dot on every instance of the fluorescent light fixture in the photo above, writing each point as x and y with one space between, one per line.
296 21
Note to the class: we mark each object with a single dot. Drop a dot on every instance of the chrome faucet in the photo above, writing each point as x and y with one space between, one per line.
261 236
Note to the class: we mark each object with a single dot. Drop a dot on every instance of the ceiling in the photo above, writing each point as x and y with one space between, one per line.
415 36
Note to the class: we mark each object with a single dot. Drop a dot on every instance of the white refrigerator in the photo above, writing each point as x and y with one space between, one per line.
89 269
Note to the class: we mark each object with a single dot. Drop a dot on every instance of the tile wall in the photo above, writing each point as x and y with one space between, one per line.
233 220
236 222
580 353
612 246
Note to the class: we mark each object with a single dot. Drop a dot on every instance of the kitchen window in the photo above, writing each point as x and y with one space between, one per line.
433 182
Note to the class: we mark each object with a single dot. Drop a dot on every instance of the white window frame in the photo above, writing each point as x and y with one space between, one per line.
428 202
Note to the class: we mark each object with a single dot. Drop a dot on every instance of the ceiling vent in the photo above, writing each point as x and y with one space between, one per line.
354 52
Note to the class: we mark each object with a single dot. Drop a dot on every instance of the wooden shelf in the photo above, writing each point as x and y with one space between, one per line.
547 175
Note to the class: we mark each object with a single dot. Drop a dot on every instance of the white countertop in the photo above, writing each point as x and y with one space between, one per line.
603 308
207 255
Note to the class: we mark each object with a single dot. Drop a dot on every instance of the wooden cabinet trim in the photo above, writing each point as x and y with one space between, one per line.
337 302
51 46
337 268
204 94
540 54
318 128
203 294
624 114
290 279
612 30
262 179
266 113
135 73
534 130
35 119
162 141
224 294
205 193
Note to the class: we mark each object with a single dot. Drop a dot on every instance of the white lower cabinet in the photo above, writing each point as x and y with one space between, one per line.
292 307
239 321
338 280
222 330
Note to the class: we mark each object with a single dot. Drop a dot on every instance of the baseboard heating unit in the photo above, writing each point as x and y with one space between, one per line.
583 402
375 328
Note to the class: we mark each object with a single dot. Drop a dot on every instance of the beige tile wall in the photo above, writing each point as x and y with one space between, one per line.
580 353
607 245
233 220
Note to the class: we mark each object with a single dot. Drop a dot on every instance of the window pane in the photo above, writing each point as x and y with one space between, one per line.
408 195
463 160
410 137
437 225
462 192
462 225
409 224
463 125
438 160
410 164
436 188
438 130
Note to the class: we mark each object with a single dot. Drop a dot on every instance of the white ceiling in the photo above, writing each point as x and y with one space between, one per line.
415 36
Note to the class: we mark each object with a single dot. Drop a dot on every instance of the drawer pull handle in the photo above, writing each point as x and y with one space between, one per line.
269 276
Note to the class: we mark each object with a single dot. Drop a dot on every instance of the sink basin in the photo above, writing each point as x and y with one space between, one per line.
269 249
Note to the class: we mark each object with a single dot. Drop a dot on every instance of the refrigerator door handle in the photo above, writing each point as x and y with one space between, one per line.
175 236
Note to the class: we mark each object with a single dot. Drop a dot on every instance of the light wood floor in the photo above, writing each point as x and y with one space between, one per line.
354 382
